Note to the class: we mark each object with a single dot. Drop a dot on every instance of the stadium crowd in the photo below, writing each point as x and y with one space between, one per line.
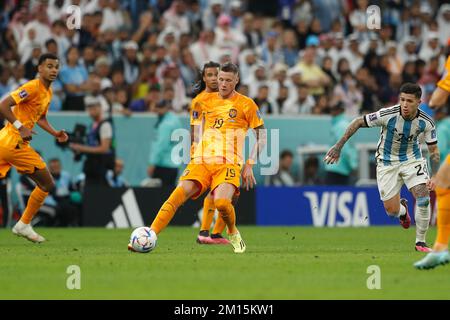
295 56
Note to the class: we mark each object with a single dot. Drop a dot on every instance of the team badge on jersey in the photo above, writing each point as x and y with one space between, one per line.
195 114
433 134
23 94
233 113
373 116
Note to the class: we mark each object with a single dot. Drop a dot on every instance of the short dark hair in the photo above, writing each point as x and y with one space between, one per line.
54 160
286 153
46 56
229 67
411 88
50 41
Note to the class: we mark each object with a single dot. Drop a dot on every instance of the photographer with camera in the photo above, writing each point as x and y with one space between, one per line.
99 148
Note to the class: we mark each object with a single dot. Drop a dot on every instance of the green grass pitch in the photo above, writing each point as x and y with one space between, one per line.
280 263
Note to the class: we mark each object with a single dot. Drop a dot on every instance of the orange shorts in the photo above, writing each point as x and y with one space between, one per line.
212 175
26 160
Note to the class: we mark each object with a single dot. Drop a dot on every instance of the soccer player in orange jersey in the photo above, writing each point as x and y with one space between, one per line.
440 255
24 108
218 161
206 88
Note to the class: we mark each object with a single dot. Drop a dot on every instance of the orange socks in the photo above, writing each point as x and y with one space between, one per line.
35 201
443 216
168 209
208 213
220 225
226 211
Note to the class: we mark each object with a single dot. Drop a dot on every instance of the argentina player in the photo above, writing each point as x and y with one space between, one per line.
399 157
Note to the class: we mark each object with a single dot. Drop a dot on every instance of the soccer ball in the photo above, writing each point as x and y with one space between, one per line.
142 240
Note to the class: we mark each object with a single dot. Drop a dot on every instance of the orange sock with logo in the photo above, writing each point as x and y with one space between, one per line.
443 215
168 209
36 200
208 213
226 211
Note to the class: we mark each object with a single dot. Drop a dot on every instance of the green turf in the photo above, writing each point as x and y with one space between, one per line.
280 263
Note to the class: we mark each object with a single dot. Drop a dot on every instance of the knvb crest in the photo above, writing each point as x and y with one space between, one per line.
233 113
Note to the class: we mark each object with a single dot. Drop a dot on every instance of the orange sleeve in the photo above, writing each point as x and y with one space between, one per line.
25 92
447 159
253 114
196 112
444 83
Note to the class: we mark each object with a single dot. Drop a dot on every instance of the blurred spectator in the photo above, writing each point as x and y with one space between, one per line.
228 38
5 87
281 99
327 11
64 196
311 73
284 177
128 64
431 47
149 102
161 165
290 48
257 78
205 48
74 78
302 103
269 51
32 63
311 172
114 177
348 94
353 54
212 13
263 102
339 173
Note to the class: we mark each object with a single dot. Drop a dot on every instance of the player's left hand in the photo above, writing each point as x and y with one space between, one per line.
431 184
61 136
248 177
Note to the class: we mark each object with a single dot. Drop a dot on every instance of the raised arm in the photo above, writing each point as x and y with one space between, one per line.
334 153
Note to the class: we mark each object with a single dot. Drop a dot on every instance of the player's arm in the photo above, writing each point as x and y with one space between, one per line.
5 111
438 98
61 135
435 158
334 153
247 171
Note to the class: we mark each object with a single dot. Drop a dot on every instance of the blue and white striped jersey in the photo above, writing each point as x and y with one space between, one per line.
399 137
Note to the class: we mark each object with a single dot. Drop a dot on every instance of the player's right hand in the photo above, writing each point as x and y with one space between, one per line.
332 155
26 133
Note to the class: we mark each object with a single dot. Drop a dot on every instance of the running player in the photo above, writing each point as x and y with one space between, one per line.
440 255
206 88
218 158
399 157
30 102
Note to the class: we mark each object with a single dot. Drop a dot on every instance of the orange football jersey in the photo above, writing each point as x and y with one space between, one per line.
226 122
32 102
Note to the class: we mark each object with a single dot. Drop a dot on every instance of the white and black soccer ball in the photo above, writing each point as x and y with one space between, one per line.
143 240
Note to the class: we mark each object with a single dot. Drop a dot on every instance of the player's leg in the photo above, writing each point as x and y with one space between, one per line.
443 202
422 215
207 218
223 195
440 255
44 184
415 176
389 185
185 190
220 225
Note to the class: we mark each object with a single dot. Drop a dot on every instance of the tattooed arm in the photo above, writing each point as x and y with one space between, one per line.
334 153
435 160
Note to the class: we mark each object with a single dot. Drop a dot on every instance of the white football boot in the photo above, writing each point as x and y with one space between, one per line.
25 230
